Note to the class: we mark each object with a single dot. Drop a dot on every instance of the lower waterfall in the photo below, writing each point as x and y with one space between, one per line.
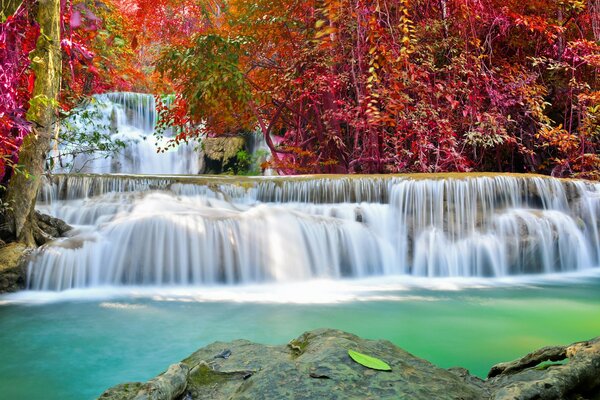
203 230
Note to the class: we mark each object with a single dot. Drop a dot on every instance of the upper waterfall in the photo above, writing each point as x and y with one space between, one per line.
176 230
130 118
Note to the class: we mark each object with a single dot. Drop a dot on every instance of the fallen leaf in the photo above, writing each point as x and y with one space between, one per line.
368 361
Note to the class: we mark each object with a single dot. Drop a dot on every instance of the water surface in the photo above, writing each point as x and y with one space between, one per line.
75 344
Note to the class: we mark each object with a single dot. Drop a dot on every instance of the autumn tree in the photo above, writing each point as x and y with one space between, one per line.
46 60
83 48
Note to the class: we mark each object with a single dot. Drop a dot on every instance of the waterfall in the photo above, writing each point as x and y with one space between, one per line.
131 119
199 230
260 152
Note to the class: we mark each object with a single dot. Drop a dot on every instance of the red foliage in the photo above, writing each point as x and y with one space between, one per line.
97 55
393 86
18 35
338 86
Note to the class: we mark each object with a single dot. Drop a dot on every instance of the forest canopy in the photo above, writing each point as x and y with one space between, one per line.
340 86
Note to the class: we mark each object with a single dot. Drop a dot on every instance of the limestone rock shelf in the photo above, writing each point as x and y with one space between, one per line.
316 365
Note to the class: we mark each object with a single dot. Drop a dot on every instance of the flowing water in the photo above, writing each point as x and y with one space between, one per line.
463 269
167 230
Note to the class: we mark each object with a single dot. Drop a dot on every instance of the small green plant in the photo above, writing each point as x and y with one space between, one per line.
248 164
244 161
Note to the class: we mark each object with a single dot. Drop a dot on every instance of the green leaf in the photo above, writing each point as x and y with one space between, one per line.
368 361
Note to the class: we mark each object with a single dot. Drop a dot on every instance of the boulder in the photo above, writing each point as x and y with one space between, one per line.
316 365
49 228
558 372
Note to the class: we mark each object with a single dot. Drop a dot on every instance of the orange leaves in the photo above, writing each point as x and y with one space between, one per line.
572 154
559 138
323 30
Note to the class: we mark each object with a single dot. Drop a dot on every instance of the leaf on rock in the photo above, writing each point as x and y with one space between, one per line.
368 361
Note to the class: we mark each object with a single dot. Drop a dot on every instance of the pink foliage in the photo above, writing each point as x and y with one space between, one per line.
18 36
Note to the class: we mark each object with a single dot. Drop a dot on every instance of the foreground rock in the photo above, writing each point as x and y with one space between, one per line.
317 366
539 376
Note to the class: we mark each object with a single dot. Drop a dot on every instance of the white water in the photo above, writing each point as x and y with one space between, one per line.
185 231
130 118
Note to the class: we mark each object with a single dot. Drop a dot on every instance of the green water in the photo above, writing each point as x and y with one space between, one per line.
74 349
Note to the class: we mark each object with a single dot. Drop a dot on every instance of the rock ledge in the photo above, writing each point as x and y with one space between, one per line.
316 365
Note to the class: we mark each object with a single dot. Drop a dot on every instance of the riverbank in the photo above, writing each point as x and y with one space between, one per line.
14 255
316 365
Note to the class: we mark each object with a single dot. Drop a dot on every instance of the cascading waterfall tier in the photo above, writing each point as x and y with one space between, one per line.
130 118
198 230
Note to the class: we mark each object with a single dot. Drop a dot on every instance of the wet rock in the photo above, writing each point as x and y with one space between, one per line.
316 365
13 266
358 215
220 153
49 228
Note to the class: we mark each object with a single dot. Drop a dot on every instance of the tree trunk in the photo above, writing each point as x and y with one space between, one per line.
46 63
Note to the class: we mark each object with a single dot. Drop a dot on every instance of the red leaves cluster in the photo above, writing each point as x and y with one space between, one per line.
18 35
97 54
337 86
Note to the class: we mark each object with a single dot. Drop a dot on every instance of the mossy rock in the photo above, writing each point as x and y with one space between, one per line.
220 154
316 365
13 266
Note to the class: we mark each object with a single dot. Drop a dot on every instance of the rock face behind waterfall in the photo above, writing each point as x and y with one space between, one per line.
220 154
317 366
